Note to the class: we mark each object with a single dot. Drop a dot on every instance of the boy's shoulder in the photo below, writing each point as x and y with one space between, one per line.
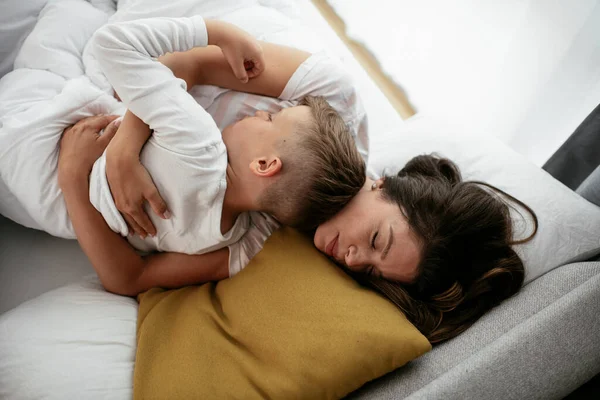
325 66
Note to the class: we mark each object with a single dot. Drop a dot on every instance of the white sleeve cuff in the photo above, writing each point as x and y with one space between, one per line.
201 34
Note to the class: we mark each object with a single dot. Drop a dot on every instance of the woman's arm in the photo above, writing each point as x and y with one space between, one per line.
208 66
120 269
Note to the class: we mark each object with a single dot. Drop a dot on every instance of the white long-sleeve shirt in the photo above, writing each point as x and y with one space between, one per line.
185 155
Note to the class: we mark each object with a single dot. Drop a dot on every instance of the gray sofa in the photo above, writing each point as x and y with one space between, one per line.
543 343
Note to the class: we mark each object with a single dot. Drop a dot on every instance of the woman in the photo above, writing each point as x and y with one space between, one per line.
456 260
438 247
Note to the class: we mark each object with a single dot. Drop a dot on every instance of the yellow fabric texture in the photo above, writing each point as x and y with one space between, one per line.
291 325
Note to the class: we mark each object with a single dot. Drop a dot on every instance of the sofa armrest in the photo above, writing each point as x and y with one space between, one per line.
590 187
546 356
541 343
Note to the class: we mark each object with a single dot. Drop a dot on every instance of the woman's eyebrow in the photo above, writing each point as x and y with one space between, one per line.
386 250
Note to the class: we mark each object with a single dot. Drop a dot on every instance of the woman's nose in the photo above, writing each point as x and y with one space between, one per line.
352 257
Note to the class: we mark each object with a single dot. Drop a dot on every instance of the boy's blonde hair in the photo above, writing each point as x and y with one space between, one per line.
322 170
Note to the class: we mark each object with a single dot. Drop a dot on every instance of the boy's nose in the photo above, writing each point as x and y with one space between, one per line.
262 114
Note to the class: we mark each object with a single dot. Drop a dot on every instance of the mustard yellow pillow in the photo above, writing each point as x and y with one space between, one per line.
290 326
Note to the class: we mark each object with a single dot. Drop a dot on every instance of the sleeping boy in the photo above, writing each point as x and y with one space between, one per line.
299 165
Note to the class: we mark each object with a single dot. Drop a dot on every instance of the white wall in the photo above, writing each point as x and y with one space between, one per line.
526 71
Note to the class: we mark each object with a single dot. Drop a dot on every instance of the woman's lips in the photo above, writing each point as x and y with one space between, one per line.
331 249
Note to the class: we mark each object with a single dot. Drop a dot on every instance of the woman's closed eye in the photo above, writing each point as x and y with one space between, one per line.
373 240
270 117
372 271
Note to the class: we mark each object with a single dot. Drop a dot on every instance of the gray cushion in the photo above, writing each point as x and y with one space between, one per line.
590 187
542 343
33 262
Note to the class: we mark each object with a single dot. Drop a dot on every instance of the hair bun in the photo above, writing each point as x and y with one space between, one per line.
432 166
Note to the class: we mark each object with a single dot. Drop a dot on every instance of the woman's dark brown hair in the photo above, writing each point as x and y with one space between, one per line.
465 230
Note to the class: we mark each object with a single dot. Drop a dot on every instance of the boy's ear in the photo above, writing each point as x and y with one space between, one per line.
266 167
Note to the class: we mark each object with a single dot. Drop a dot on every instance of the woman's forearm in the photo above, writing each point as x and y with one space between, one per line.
208 66
118 266
281 62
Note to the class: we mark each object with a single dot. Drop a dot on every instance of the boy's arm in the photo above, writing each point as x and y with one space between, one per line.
125 53
130 183
201 65
208 66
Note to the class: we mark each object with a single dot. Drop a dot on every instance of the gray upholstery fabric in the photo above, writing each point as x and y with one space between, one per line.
578 155
590 188
28 268
542 343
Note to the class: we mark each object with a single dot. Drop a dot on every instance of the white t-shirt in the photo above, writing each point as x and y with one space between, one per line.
185 155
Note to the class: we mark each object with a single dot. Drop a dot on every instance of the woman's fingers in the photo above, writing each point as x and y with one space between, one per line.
98 122
133 226
143 221
158 204
110 131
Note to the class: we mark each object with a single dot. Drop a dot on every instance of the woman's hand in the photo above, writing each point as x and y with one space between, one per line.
81 145
131 185
243 53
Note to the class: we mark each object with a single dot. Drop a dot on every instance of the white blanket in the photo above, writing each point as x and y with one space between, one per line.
56 82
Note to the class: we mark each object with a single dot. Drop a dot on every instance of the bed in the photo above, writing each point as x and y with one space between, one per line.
86 337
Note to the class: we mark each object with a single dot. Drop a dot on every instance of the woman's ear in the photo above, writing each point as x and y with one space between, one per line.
266 167
379 183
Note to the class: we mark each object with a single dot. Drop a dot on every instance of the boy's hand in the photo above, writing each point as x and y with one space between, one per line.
81 145
131 186
243 53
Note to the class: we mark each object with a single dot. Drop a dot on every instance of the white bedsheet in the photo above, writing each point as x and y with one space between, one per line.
57 82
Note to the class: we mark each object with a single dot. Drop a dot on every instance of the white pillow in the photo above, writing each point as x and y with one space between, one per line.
569 226
59 37
75 342
17 19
